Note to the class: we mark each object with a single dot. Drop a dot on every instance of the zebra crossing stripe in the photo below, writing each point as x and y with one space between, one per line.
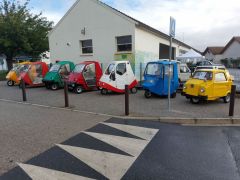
129 145
40 173
142 132
112 166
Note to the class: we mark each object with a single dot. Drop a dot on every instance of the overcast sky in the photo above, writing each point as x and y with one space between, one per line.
200 23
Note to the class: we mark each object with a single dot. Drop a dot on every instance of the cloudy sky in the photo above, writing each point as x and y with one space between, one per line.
200 23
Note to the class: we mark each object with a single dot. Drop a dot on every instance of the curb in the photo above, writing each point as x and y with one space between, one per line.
170 120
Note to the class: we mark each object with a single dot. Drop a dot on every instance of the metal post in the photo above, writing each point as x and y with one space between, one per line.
23 91
126 100
232 101
169 75
141 73
66 94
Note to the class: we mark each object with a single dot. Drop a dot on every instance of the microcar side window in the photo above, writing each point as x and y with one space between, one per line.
79 68
89 72
220 77
184 69
121 69
110 69
55 68
154 69
167 70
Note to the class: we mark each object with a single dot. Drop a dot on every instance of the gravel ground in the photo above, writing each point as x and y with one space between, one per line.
26 131
114 104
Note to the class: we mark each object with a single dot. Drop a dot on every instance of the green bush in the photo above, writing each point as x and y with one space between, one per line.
3 75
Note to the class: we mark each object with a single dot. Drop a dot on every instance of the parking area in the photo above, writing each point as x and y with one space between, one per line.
114 104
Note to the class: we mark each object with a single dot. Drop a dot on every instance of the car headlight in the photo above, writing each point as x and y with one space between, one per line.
184 87
202 90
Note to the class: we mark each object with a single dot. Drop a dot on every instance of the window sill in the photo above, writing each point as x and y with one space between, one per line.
123 52
83 55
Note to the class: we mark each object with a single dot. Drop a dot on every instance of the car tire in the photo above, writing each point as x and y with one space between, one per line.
10 83
174 95
227 98
195 100
54 86
147 94
78 89
134 90
104 91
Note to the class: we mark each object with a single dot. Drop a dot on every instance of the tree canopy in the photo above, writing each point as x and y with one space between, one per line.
22 32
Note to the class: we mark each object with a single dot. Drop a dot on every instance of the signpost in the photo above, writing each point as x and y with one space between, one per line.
172 31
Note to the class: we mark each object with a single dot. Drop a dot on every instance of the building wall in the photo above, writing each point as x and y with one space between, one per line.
215 58
233 51
102 26
147 48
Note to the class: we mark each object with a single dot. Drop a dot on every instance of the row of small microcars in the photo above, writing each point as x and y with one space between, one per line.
206 83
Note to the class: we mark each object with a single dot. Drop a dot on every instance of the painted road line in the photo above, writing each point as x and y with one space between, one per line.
142 132
112 166
40 173
131 146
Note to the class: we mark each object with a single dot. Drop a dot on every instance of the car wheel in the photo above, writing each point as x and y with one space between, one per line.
147 94
79 89
54 87
195 100
174 95
227 98
104 91
134 90
10 83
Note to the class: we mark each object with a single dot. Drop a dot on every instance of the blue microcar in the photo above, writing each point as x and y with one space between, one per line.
156 77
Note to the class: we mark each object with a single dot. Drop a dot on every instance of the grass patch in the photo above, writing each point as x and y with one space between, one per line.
3 75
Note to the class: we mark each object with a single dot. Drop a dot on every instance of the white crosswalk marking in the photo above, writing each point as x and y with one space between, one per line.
144 133
129 145
112 166
39 173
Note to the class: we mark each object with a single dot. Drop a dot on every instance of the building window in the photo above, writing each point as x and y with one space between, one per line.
87 46
124 43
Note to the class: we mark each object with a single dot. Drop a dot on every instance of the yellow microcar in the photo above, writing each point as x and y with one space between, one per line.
208 84
13 75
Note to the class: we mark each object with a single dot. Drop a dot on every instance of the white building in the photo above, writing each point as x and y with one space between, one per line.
230 51
92 30
213 54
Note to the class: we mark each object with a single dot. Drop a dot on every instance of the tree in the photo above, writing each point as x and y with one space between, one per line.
21 32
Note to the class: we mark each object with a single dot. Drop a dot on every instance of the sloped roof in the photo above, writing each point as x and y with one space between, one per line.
137 22
214 50
236 38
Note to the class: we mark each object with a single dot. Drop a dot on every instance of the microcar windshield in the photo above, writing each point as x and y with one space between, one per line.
203 75
79 68
110 69
154 69
55 68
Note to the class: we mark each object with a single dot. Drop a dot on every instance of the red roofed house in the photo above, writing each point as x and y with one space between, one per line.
230 51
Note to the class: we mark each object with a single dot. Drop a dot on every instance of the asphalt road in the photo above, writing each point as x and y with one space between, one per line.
133 149
26 131
114 104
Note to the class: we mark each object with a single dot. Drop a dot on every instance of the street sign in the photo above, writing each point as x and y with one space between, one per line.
172 27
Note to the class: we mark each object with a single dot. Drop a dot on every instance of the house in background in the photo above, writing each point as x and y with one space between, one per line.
213 54
92 30
3 63
230 52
